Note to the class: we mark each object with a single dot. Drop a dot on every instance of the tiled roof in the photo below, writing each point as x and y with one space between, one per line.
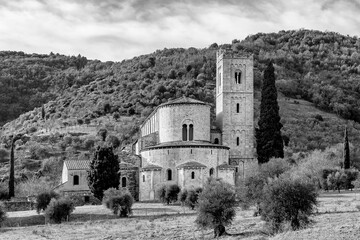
191 165
77 164
226 166
126 165
151 166
186 144
184 100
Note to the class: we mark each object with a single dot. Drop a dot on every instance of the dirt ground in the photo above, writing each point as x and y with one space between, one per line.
337 218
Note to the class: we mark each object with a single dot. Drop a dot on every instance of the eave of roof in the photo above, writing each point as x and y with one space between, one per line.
185 144
150 167
192 165
181 100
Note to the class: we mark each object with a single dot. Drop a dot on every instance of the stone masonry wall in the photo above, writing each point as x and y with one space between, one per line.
172 117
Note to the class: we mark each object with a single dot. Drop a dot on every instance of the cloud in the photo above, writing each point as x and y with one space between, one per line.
118 29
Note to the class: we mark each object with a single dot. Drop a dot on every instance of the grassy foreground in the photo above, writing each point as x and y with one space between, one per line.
337 218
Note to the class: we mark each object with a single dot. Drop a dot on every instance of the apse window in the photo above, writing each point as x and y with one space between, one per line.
192 175
169 175
184 132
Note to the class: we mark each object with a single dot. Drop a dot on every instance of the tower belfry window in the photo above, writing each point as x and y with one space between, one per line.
237 107
237 141
238 77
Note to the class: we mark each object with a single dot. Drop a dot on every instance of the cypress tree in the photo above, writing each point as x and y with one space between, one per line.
346 150
268 134
104 171
43 112
12 166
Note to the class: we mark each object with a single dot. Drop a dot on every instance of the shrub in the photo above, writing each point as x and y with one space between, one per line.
113 141
4 191
119 201
169 193
59 209
182 196
43 199
287 200
192 198
34 186
2 212
216 207
161 192
88 144
4 155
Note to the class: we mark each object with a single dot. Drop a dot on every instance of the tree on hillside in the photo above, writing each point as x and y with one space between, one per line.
346 150
216 206
103 173
268 134
12 166
42 112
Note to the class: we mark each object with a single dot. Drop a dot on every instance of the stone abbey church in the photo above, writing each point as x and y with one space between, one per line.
179 145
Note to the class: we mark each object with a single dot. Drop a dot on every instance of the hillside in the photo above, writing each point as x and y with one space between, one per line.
317 77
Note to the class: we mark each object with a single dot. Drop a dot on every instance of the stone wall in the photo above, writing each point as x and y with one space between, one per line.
132 184
150 140
150 183
185 180
172 118
170 158
229 95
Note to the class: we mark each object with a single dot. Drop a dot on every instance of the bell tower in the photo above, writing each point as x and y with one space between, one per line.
235 105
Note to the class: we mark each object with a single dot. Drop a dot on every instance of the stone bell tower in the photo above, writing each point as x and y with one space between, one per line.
235 105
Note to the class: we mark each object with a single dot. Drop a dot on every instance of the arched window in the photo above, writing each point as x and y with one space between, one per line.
237 107
216 141
191 132
192 175
169 175
123 182
211 171
143 178
237 141
238 77
76 180
184 132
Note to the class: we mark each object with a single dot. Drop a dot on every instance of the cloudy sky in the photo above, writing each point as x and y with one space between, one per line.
121 29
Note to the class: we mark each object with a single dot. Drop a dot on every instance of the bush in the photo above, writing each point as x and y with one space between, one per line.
2 212
192 198
113 141
119 201
4 191
182 196
34 186
169 193
216 207
59 210
43 200
287 200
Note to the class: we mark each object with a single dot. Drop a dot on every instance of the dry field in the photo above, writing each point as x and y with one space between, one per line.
337 218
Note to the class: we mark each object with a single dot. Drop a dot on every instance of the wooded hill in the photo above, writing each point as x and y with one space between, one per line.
320 67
